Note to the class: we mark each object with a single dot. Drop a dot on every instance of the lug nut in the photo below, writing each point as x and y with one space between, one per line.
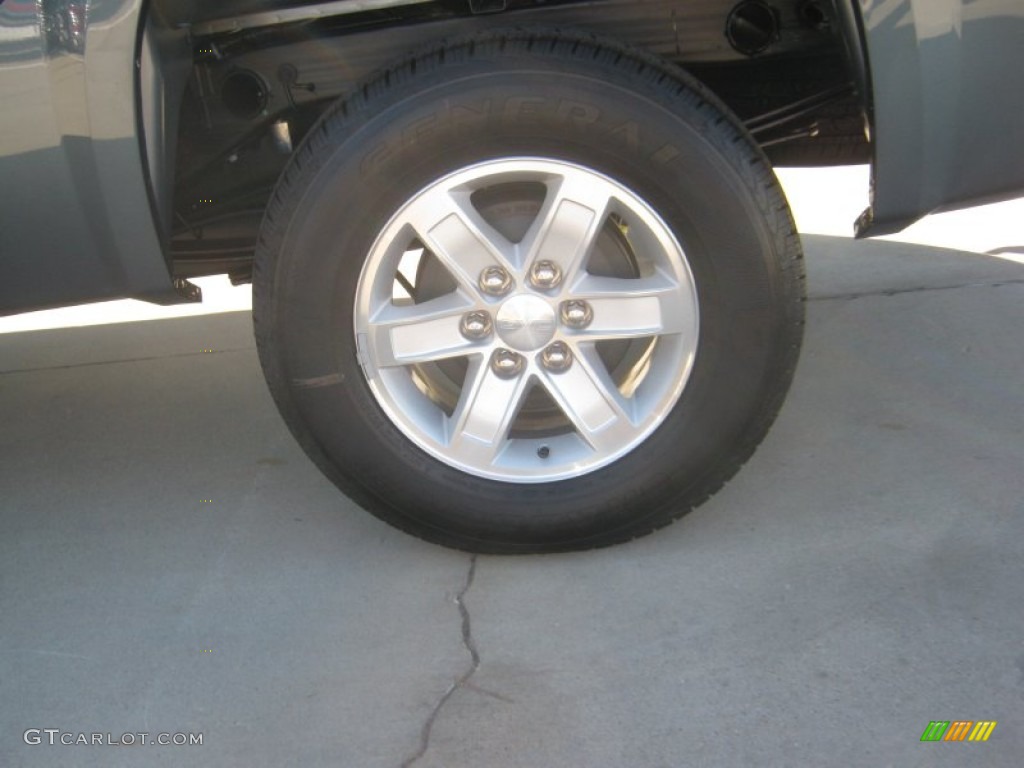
545 274
476 325
576 314
495 281
506 364
556 357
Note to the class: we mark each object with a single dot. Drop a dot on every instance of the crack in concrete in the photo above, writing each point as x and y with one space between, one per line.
460 682
922 289
146 359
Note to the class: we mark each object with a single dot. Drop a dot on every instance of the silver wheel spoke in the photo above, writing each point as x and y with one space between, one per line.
420 333
625 309
458 236
479 427
590 400
567 225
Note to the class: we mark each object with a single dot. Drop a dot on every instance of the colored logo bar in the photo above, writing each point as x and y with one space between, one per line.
959 730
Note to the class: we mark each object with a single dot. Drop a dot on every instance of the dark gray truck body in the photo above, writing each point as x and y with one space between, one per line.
115 115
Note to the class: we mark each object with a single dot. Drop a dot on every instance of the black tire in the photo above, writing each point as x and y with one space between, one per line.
631 118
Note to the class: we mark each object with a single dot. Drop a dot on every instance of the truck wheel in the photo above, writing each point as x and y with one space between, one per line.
528 292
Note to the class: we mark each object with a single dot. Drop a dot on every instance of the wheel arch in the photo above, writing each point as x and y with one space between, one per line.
800 85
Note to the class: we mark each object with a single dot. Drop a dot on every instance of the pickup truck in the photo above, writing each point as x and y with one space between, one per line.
523 277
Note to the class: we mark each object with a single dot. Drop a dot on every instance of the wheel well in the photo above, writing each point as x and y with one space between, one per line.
260 77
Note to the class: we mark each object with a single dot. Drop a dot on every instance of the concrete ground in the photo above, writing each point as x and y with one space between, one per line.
171 563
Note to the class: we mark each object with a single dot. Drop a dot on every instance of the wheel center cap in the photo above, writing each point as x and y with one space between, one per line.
525 323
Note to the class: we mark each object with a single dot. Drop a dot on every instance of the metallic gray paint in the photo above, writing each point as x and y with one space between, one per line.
948 104
80 197
76 221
